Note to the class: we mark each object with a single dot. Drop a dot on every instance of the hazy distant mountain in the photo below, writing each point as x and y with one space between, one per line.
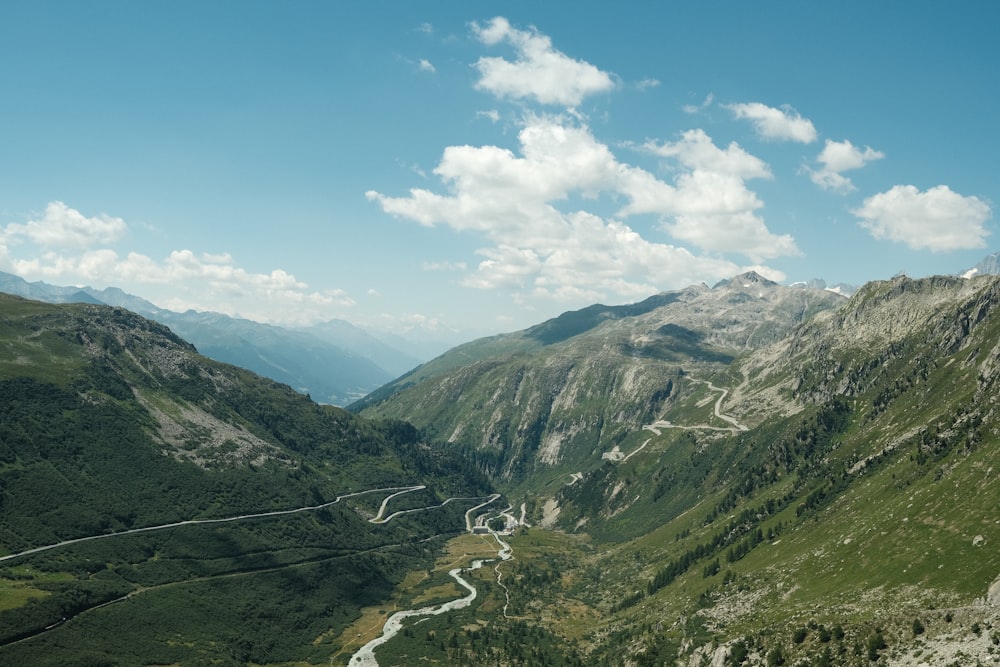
354 339
818 283
334 363
989 265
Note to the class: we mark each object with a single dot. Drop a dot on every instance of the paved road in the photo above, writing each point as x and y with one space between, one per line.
241 517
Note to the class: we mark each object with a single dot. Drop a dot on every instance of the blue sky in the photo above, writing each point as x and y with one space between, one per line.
455 169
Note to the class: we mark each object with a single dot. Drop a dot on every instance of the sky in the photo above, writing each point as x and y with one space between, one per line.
451 170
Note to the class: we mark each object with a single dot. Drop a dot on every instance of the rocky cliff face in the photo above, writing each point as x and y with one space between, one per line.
583 381
896 329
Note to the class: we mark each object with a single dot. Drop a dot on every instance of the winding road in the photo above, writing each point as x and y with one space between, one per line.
365 657
735 426
241 517
618 456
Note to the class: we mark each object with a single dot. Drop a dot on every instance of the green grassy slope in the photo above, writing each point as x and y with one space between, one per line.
872 505
108 422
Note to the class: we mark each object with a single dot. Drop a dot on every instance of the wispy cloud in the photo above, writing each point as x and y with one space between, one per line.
492 114
784 124
443 266
696 108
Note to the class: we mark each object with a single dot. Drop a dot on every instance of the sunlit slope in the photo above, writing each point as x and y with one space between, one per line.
867 500
827 495
545 401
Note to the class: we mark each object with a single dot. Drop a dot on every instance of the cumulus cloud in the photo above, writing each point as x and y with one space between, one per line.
838 157
64 227
696 150
709 203
784 124
538 250
426 66
540 72
939 219
58 247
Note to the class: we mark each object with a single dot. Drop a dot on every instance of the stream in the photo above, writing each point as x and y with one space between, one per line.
365 657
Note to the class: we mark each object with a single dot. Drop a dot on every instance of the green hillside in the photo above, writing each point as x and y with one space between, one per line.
110 423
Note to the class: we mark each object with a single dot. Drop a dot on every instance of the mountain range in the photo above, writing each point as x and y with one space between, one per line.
741 474
335 362
757 467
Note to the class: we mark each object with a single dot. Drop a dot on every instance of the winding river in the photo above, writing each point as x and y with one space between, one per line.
365 657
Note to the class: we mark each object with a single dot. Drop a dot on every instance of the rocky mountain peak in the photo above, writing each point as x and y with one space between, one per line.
744 280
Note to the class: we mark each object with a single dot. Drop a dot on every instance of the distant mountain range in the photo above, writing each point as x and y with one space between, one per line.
989 265
334 362
546 396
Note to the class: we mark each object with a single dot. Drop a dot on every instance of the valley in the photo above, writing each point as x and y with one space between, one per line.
748 474
365 656
764 500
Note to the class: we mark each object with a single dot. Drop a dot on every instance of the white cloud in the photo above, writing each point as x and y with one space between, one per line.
697 151
425 66
540 72
646 84
64 227
784 124
56 248
937 220
838 157
538 250
710 204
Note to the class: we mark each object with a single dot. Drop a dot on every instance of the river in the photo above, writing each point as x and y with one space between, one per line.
365 657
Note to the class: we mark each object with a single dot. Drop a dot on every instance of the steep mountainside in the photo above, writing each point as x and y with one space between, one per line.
827 498
128 467
550 398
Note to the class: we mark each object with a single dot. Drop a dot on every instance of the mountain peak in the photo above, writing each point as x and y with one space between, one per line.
747 279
